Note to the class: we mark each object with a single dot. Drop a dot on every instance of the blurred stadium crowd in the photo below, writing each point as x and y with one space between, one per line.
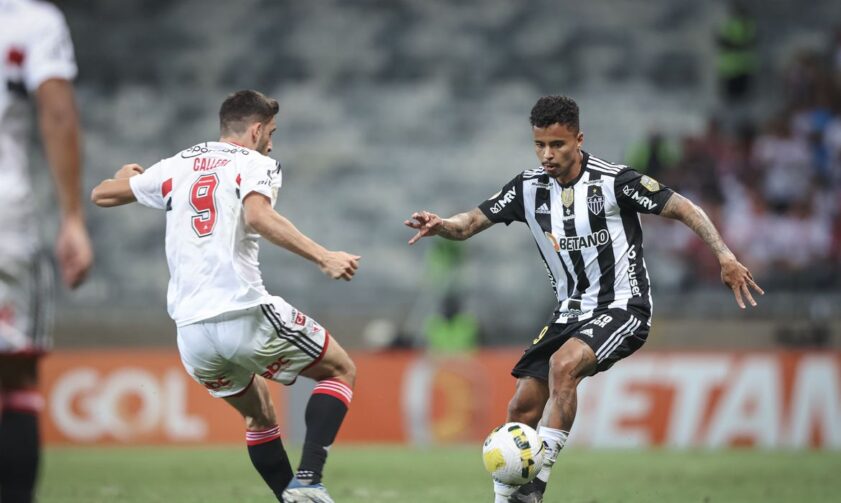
771 182
388 107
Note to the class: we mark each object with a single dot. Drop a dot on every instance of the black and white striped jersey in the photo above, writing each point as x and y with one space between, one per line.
588 233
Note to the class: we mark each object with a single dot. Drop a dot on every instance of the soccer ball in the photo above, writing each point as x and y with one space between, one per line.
513 454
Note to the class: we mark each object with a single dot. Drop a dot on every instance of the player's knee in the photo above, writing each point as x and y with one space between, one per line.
346 371
18 373
564 369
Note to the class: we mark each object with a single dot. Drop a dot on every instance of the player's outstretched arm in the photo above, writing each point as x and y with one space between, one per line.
457 227
59 123
262 217
116 191
735 275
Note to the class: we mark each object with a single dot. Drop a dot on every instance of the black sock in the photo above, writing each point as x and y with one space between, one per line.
269 458
20 447
325 412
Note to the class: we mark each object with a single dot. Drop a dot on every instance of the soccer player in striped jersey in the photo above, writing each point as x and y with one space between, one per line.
583 214
218 197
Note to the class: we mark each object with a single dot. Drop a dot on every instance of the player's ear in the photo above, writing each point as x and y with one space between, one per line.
580 138
256 130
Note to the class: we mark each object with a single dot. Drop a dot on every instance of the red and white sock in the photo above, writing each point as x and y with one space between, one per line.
335 388
324 415
27 401
262 436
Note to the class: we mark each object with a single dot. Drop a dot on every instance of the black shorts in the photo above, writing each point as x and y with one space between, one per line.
612 334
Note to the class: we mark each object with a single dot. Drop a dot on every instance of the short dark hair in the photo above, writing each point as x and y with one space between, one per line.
555 109
243 108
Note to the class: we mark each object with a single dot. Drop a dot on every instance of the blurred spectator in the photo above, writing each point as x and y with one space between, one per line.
737 159
737 60
802 79
443 280
748 228
653 155
832 144
699 166
835 57
800 247
785 163
452 330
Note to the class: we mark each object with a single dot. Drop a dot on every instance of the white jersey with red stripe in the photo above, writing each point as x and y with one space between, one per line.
35 47
212 254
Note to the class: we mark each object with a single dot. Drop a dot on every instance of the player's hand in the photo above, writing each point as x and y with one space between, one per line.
73 251
340 265
128 171
739 279
426 223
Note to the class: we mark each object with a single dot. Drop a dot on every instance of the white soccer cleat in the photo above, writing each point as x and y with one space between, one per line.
296 492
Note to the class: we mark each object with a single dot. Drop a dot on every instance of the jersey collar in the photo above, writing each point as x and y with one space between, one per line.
584 157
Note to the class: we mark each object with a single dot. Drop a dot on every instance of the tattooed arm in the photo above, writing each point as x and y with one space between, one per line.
733 274
457 227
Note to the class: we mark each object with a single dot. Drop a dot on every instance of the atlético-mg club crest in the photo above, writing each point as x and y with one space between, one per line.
596 203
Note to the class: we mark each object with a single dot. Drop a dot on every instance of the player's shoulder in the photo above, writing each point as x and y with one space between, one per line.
264 160
604 168
37 14
531 174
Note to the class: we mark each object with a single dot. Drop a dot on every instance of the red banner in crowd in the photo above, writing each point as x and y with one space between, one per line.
781 399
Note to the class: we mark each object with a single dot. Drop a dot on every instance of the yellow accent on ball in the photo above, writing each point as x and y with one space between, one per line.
493 460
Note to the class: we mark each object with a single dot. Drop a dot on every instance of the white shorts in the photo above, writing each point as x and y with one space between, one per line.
26 305
273 340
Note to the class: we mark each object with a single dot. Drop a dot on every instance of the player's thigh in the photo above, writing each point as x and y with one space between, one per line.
285 343
535 359
255 405
26 301
612 335
201 358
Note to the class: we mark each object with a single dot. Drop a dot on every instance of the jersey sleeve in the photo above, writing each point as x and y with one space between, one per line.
261 175
149 187
506 205
640 193
49 53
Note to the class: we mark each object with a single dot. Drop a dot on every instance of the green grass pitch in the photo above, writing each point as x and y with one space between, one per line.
395 474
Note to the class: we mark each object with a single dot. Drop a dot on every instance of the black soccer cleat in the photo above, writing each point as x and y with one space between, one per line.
529 493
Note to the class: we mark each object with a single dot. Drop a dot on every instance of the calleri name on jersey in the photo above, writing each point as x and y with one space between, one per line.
587 232
211 253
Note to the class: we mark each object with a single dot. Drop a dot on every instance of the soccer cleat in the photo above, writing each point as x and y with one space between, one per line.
529 493
296 492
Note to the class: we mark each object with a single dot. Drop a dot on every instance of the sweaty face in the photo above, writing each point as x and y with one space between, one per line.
264 142
557 147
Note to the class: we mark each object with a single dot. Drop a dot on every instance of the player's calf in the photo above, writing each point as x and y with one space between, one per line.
19 444
262 436
526 406
326 409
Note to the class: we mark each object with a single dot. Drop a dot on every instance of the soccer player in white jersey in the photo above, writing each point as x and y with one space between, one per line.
583 214
232 335
36 67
